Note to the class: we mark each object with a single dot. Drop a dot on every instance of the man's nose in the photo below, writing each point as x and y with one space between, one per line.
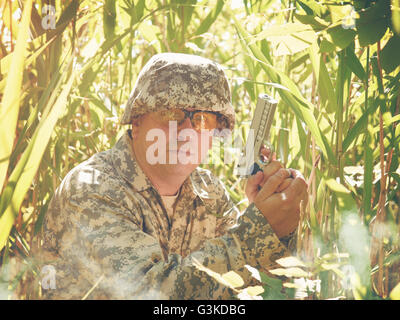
186 124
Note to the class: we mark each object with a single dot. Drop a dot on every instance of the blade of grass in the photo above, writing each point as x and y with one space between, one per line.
5 65
211 17
9 107
324 83
30 162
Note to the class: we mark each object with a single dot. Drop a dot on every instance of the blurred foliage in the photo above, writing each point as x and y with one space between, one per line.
66 73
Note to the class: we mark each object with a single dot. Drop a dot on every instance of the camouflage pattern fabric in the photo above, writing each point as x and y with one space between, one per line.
183 81
107 233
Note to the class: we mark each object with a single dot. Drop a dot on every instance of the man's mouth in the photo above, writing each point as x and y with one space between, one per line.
181 151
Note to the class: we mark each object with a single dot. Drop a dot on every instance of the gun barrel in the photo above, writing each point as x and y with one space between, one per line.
259 132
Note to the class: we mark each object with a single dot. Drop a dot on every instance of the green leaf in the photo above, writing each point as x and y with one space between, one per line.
109 18
254 290
40 218
326 46
233 279
23 174
272 288
10 103
336 256
67 15
368 176
396 16
290 262
135 11
336 186
390 57
339 13
184 10
324 83
290 272
341 37
359 126
316 23
150 32
218 277
288 38
6 61
312 7
271 294
373 22
211 17
274 283
354 64
395 293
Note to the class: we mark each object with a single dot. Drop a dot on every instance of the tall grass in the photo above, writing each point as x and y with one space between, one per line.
63 91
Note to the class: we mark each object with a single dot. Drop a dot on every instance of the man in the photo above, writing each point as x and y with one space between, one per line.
128 222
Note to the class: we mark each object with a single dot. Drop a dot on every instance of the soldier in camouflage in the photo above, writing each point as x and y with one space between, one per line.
120 227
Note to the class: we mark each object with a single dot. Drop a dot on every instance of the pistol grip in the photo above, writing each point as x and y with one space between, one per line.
255 168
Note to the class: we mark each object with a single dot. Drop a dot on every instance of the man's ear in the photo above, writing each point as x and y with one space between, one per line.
135 127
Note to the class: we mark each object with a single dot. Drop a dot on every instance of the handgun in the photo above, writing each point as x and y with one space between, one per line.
250 163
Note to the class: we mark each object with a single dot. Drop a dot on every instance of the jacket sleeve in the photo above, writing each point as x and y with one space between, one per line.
99 251
229 215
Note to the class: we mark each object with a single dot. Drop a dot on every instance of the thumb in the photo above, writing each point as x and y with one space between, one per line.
252 185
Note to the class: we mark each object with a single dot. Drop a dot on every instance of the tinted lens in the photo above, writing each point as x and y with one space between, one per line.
204 120
171 115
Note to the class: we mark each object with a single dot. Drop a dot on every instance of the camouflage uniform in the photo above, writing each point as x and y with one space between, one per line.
107 232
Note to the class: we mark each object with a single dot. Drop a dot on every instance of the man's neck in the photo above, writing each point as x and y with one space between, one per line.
167 186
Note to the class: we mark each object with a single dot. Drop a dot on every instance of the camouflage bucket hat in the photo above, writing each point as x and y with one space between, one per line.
181 81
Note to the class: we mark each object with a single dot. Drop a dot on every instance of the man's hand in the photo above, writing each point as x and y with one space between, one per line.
255 182
280 195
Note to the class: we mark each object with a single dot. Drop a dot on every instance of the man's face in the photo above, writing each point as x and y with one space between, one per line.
170 147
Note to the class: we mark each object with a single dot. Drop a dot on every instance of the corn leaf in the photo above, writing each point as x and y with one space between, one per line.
324 83
6 64
395 293
288 38
290 272
10 104
396 16
31 159
233 279
211 17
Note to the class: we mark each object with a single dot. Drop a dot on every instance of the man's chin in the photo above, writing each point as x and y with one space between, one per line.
180 169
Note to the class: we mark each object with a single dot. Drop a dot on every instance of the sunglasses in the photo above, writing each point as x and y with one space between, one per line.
201 120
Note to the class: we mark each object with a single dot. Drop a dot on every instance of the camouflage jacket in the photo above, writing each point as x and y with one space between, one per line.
108 236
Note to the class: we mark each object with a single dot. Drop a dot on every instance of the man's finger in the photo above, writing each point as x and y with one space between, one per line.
272 184
296 173
297 187
253 182
270 169
286 183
